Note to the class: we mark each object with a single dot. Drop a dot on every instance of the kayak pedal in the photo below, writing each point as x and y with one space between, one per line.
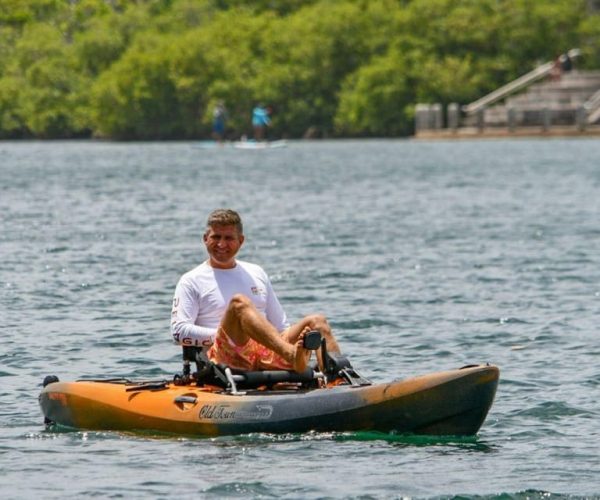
338 366
312 340
353 377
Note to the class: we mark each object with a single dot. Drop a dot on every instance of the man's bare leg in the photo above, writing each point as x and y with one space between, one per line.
242 321
314 322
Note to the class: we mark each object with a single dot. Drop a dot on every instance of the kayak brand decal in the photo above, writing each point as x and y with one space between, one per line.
226 412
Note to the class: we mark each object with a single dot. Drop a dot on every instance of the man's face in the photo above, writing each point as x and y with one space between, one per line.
222 244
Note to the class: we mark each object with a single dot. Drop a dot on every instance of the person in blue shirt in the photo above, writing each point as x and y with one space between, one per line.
260 120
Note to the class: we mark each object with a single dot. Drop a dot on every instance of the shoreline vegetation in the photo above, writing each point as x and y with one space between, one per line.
156 69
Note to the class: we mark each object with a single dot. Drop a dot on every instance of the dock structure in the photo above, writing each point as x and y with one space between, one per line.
552 100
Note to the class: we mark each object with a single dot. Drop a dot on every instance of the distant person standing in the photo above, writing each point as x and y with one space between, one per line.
219 119
566 63
260 121
556 71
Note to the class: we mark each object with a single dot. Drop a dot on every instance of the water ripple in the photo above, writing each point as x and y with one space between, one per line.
447 253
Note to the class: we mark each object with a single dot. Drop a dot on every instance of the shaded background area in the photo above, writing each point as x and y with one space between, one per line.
155 69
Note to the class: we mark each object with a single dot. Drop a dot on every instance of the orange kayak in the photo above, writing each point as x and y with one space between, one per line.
454 402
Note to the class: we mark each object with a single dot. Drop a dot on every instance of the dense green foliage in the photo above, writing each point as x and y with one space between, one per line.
150 69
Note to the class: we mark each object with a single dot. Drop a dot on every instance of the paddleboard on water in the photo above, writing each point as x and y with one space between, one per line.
211 145
260 144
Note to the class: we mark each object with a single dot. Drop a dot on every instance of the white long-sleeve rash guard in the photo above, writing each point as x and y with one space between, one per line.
203 294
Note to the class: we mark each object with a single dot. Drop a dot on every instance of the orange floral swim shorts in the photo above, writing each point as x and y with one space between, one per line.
250 356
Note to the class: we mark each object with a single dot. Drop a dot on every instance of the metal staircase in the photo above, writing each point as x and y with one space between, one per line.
520 83
559 101
551 99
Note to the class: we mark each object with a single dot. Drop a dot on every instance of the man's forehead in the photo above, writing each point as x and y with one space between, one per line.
228 228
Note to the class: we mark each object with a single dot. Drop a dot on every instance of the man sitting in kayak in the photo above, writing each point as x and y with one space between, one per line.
229 307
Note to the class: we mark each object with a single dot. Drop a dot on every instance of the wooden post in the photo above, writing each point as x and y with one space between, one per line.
421 117
481 119
437 119
581 118
453 116
546 119
511 118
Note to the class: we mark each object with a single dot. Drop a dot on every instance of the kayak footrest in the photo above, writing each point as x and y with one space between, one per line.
353 377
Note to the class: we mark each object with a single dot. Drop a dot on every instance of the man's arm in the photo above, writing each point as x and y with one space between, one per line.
275 312
183 316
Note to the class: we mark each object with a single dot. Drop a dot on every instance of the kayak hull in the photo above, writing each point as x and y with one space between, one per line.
454 402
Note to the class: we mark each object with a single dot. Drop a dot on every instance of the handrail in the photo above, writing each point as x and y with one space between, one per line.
519 83
592 107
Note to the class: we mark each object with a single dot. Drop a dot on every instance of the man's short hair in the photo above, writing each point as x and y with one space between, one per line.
225 217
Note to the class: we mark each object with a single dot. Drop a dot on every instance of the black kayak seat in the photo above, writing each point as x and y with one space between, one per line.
209 373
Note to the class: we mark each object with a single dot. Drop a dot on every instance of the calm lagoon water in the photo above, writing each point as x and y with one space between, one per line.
424 255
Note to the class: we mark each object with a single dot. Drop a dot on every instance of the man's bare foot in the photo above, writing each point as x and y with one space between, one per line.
301 356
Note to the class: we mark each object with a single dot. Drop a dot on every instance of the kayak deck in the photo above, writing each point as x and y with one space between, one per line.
454 402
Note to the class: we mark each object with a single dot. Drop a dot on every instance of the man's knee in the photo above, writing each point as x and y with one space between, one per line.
318 322
239 303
